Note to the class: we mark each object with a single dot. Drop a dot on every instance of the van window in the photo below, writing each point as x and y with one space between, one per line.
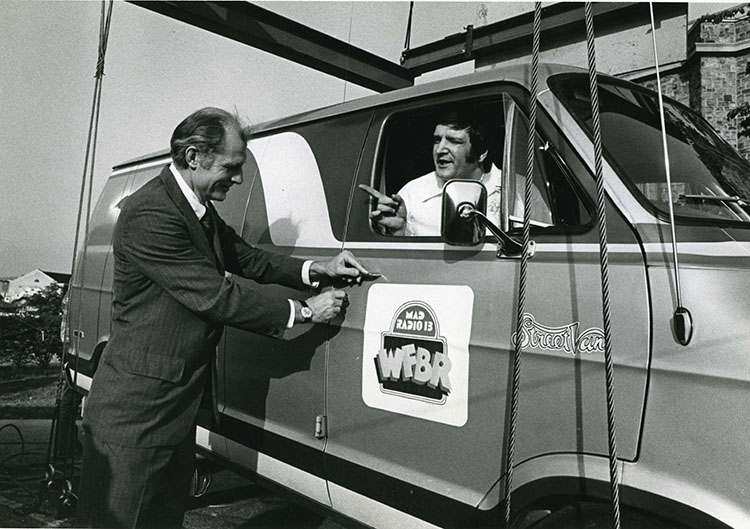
554 202
708 176
417 156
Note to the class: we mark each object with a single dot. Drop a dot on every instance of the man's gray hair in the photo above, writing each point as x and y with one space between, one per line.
204 129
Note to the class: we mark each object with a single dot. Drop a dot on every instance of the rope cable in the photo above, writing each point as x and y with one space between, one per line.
604 265
516 382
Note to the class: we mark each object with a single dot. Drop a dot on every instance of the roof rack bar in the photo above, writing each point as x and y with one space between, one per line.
512 37
252 25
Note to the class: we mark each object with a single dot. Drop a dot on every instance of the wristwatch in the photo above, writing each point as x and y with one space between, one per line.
306 312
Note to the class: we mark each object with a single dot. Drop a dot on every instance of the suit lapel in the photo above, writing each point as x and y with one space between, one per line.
194 226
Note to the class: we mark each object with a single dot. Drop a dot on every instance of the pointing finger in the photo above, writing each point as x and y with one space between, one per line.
373 192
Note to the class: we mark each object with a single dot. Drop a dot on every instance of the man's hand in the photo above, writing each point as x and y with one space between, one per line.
390 214
343 266
326 306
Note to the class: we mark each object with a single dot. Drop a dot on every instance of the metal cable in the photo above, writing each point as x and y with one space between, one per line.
524 262
86 181
88 167
407 40
604 264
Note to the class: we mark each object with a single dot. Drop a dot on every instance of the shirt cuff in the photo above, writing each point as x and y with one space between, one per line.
306 275
290 323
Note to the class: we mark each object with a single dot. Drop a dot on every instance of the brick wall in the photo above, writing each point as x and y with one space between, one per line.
719 94
682 86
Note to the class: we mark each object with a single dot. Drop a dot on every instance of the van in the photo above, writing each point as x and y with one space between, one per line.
396 413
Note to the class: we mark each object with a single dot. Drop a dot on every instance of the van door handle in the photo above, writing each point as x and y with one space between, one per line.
78 334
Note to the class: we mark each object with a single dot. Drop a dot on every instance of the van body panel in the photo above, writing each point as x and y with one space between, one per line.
562 392
90 297
395 413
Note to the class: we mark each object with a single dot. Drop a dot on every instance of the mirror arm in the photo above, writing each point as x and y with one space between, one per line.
509 246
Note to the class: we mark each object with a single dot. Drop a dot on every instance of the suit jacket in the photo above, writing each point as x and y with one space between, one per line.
171 301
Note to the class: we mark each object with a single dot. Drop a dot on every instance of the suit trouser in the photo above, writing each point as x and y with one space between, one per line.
126 487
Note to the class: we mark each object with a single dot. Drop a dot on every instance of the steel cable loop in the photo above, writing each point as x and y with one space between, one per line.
516 382
604 263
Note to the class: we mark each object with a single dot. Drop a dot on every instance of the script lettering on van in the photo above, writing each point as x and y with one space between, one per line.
413 358
566 338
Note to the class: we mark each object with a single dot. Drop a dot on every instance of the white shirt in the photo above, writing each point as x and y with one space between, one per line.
200 209
423 199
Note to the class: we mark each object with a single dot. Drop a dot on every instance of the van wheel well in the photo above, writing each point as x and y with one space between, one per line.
587 514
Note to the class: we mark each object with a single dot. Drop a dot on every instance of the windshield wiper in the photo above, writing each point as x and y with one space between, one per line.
718 198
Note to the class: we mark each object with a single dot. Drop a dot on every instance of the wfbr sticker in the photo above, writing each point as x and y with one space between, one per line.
413 359
416 351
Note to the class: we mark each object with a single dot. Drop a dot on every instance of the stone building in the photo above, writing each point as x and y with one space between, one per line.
715 77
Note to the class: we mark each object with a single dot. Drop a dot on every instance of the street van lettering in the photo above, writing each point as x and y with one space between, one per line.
591 341
566 338
414 364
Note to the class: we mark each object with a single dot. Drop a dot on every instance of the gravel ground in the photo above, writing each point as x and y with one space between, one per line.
231 502
27 399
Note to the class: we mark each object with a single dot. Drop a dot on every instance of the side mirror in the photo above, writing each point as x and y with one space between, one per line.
458 227
464 217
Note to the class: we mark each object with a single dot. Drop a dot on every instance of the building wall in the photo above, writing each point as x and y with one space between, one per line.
719 94
684 86
27 284
715 79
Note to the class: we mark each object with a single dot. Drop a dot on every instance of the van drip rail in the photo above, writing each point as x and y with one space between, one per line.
516 383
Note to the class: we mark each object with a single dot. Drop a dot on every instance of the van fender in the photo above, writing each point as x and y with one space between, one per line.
583 476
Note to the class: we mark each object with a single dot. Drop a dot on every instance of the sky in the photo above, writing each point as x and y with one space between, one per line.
157 71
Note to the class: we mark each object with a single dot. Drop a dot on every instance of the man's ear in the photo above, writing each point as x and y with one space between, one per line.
191 157
483 156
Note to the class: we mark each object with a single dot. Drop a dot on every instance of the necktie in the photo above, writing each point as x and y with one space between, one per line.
208 226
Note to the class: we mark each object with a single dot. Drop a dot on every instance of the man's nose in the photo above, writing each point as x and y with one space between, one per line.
237 178
442 146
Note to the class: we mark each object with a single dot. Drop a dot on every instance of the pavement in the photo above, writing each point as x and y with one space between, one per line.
231 501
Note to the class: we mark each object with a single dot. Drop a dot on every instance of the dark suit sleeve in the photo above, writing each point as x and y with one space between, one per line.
156 240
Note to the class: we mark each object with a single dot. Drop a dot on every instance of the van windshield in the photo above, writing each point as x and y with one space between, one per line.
710 180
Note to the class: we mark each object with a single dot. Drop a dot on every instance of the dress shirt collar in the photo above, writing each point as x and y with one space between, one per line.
191 197
492 174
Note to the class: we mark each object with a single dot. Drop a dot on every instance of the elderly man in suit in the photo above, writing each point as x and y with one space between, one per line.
171 301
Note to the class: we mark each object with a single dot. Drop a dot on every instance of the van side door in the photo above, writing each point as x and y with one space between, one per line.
272 391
